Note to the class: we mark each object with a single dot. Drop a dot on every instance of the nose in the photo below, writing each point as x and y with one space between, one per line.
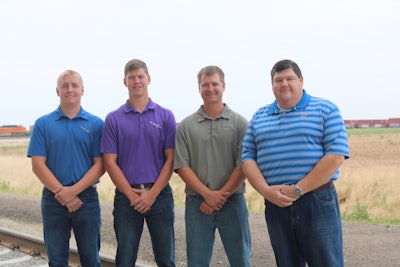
285 82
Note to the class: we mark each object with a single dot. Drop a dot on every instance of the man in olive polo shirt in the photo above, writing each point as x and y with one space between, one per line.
208 159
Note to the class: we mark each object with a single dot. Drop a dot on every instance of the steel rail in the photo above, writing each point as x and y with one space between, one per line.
35 247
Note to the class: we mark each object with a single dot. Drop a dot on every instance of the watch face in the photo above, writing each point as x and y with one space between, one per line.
298 190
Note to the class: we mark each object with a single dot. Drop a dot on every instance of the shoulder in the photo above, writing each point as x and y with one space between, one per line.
322 103
236 118
190 119
116 112
262 112
162 110
49 116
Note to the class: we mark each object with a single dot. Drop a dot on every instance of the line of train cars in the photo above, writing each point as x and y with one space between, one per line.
14 131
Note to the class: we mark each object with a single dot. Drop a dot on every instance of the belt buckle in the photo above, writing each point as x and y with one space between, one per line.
145 186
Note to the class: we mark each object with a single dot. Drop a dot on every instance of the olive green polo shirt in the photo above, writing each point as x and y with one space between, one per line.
211 147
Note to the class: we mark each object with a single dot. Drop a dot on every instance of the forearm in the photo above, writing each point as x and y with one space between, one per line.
165 173
255 177
44 174
90 177
235 180
192 181
321 173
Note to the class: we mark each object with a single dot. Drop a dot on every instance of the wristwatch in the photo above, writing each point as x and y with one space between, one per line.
298 190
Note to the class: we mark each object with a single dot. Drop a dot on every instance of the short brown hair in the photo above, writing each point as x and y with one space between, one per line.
135 64
211 70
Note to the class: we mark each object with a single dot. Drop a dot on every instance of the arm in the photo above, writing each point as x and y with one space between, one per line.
118 177
44 174
215 199
48 179
236 179
319 175
271 193
148 197
68 193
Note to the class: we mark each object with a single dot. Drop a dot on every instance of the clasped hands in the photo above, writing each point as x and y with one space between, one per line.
143 201
214 201
281 195
66 197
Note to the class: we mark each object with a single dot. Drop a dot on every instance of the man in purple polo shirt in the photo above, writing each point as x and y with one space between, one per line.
138 143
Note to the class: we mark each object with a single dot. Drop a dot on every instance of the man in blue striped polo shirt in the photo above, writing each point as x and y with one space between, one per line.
292 151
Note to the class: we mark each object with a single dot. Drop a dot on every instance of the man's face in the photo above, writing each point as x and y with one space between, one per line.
70 90
137 82
287 88
211 88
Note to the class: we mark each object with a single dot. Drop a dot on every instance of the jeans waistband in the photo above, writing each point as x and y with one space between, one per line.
324 186
145 186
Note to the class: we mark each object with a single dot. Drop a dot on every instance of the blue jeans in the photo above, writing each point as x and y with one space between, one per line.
128 226
232 224
85 222
308 231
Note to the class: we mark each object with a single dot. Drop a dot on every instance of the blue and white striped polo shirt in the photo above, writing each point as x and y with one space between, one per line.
287 144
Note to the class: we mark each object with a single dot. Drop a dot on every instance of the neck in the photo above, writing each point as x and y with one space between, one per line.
213 110
70 111
139 103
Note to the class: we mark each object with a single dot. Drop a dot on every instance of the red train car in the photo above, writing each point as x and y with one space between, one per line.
391 122
13 130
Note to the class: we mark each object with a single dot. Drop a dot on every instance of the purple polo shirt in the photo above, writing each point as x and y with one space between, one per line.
139 140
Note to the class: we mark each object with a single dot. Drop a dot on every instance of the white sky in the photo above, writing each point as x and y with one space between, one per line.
348 51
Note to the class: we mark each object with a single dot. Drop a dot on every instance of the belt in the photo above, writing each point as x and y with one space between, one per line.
145 186
324 186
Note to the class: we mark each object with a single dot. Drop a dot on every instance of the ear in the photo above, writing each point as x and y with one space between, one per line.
57 92
83 90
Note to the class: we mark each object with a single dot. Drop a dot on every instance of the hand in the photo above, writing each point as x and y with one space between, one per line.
274 195
143 203
65 195
289 191
216 199
206 209
74 204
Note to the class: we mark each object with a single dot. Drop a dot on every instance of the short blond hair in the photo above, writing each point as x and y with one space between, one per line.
69 72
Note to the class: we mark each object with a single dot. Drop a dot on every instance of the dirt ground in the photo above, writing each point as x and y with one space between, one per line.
365 245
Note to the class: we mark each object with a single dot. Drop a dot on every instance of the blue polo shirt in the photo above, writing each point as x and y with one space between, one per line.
139 139
287 144
69 145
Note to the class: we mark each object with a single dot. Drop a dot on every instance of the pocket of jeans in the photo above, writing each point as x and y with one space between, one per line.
89 194
326 195
46 194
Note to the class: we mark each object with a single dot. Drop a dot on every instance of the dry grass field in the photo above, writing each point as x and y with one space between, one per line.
368 187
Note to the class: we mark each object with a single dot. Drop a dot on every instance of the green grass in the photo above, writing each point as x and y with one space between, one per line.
360 214
367 131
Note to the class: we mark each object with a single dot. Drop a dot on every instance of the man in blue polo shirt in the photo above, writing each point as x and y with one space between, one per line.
292 151
65 151
138 144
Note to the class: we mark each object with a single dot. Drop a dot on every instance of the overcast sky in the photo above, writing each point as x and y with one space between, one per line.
348 51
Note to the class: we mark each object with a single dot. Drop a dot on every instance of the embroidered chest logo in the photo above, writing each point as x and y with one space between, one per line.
155 124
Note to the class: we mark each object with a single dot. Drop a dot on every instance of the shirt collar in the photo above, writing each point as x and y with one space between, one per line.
305 99
82 114
129 108
224 114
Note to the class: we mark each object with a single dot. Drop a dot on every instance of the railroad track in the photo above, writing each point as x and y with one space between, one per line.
27 250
